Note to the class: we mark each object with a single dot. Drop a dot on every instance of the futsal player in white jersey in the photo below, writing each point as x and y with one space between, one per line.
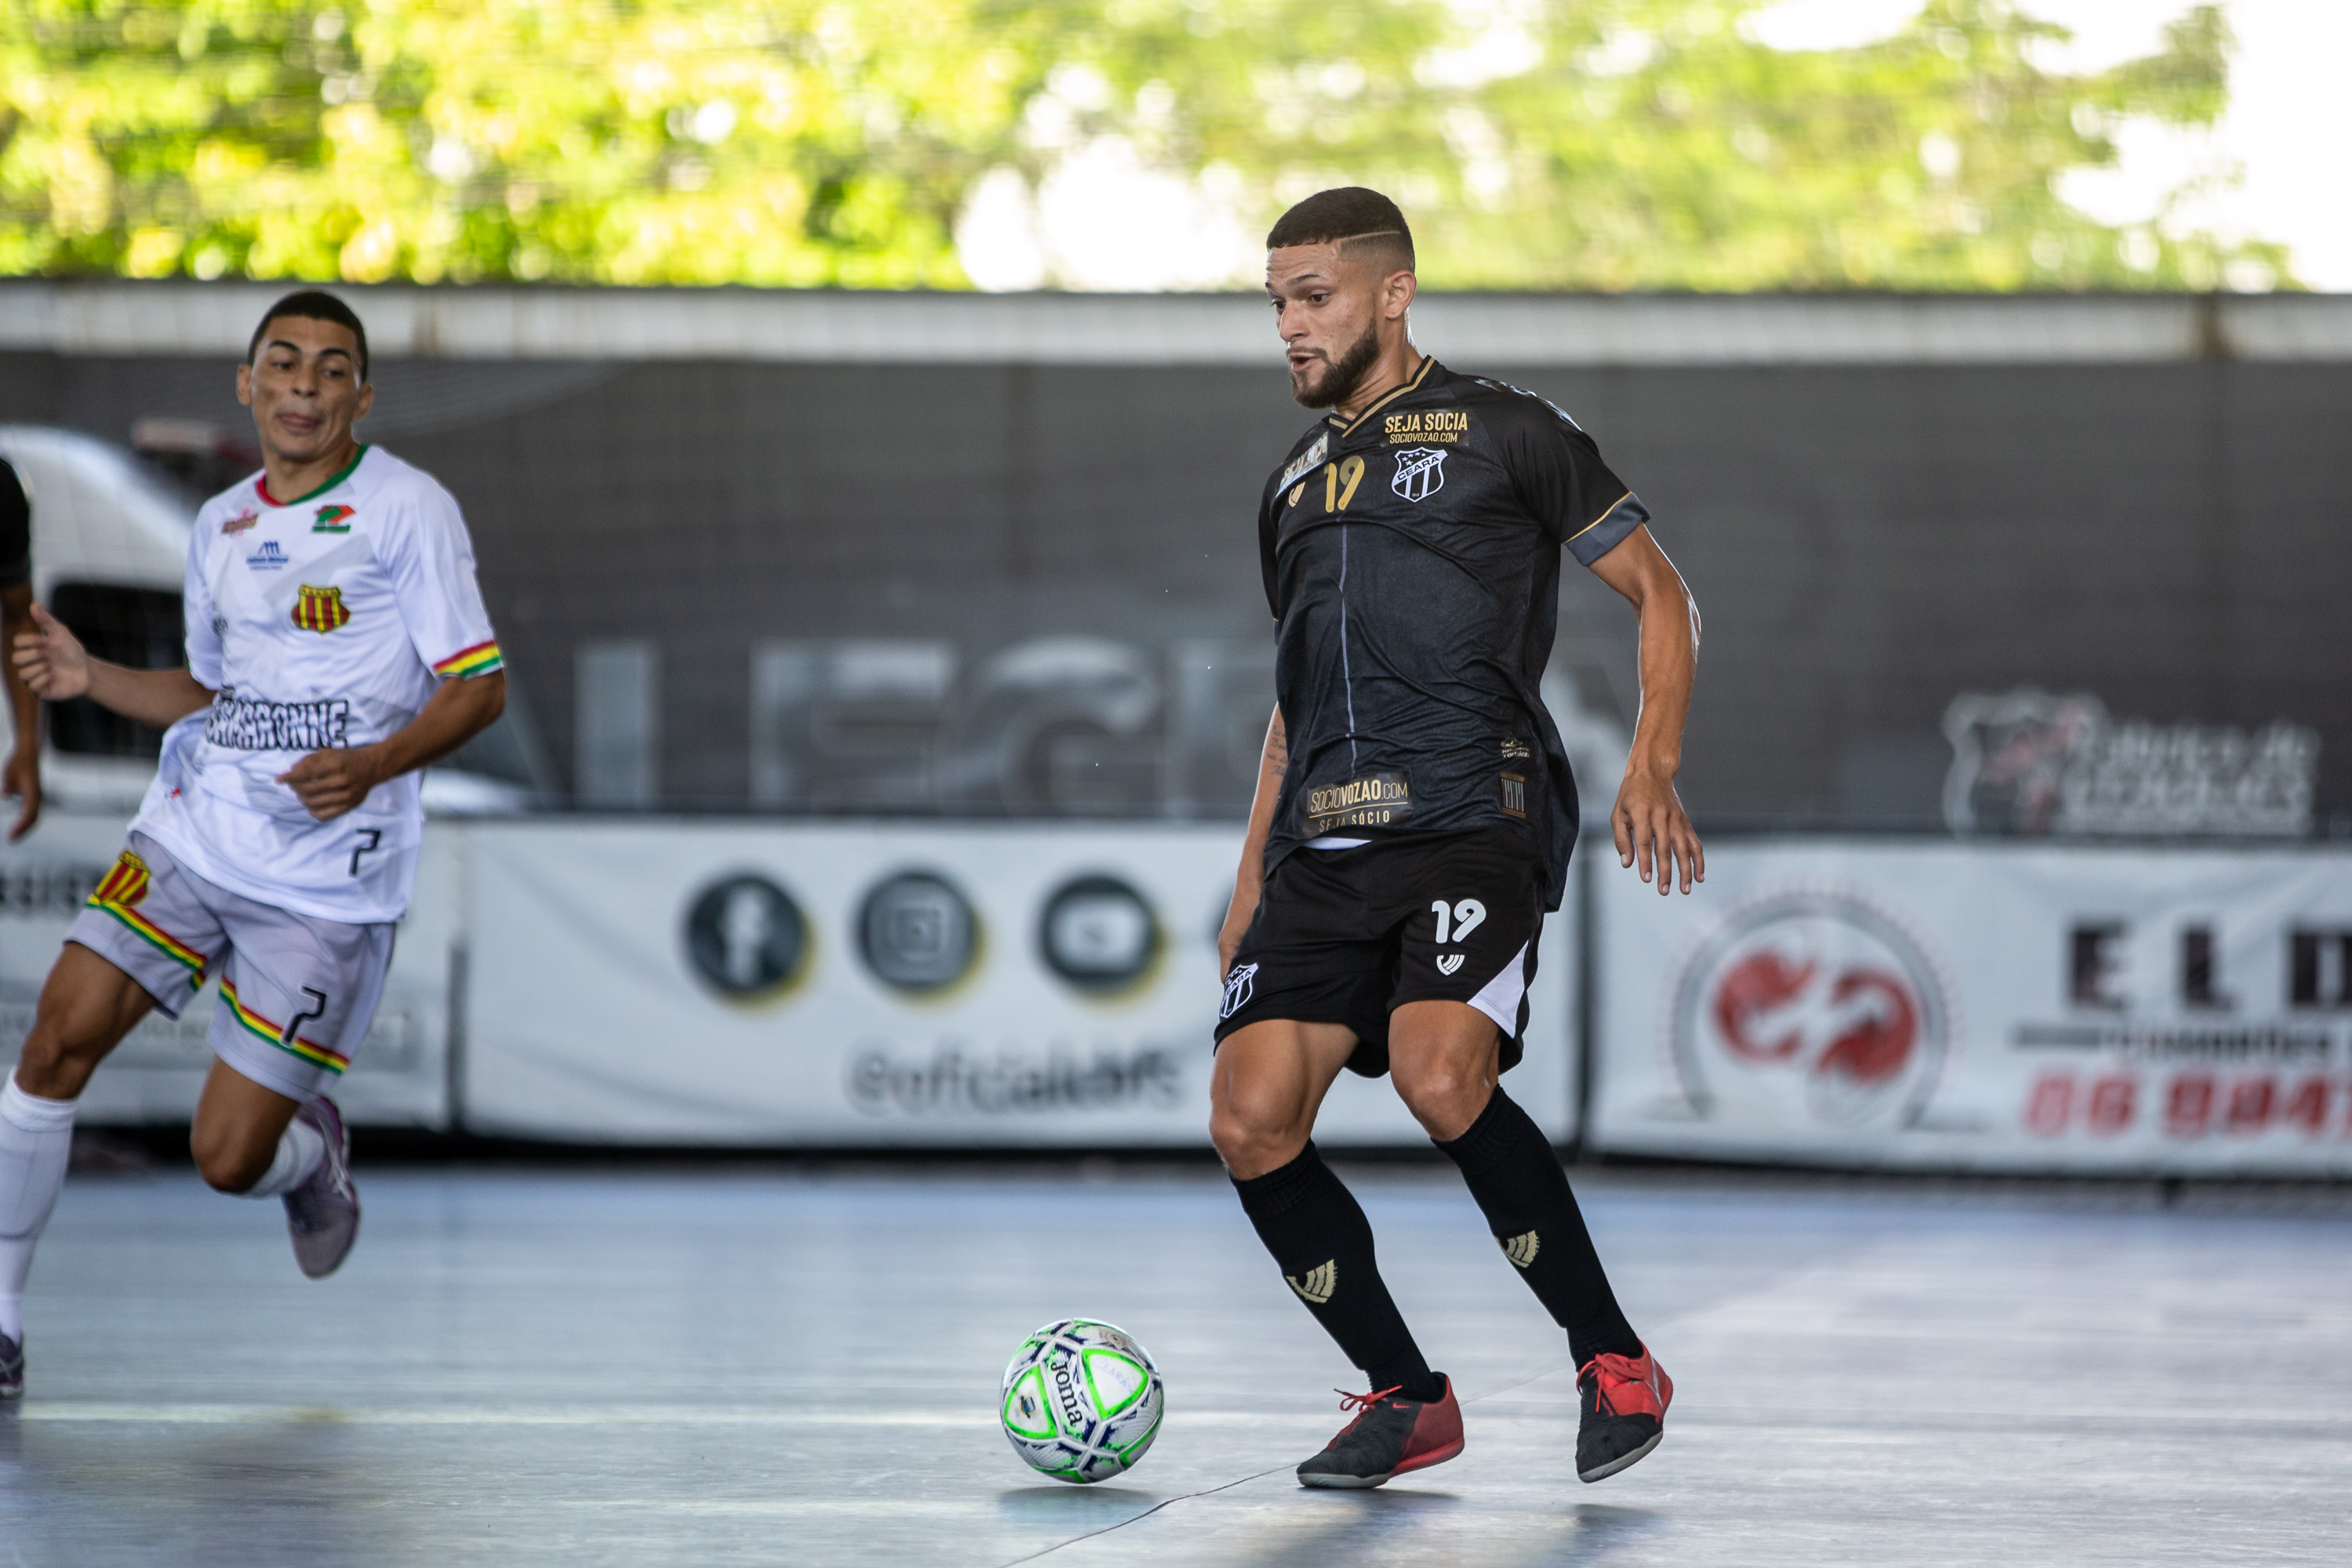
336 645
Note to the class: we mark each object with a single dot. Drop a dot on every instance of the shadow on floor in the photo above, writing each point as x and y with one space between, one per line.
1074 1509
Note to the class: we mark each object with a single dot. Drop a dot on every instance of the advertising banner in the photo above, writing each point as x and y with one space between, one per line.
1983 1006
858 984
398 1076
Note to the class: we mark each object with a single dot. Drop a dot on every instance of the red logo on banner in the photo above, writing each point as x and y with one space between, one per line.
1813 1006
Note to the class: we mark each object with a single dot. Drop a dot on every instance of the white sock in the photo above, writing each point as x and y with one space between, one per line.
299 1149
36 1140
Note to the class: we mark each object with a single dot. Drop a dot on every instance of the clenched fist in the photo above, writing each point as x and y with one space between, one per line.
332 782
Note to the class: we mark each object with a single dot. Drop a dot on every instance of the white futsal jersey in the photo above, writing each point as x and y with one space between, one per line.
324 621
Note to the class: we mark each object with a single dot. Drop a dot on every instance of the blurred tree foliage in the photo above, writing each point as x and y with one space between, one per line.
1538 143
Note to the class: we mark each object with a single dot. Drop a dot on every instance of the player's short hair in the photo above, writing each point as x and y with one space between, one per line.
312 305
1364 223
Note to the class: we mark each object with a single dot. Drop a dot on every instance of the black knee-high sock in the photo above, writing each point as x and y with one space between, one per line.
1518 1180
1323 1243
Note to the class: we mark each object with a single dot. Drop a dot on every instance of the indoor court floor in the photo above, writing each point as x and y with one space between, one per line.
711 1366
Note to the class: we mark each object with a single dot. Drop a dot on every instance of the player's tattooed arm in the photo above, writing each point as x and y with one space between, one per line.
1249 880
21 777
1652 829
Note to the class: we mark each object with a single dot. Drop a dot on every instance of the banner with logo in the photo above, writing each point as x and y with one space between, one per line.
734 983
398 1076
1982 1006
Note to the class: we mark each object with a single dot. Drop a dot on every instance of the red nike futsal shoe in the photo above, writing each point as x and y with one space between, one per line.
1624 1414
1389 1437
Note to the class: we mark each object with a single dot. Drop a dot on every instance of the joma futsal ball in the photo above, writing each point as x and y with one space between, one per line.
1082 1401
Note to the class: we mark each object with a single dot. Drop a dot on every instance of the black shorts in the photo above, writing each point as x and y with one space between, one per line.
1348 936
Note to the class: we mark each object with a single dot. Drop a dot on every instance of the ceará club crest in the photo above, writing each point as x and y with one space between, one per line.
1420 473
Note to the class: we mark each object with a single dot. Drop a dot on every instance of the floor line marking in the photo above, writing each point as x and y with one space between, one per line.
1146 1513
627 1414
781 1414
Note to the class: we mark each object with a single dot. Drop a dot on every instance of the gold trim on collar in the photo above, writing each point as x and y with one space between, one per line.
1426 362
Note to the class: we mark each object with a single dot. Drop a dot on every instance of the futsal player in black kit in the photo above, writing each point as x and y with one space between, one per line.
21 775
1413 819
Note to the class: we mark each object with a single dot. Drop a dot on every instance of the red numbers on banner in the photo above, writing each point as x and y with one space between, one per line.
2113 1100
2307 1107
2193 1104
2188 1106
2108 1104
2047 1107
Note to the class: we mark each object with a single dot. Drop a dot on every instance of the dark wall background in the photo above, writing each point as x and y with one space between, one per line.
1864 543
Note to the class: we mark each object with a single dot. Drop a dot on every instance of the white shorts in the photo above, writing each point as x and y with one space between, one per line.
298 993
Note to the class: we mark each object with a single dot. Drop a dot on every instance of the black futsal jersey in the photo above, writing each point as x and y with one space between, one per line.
16 529
1411 559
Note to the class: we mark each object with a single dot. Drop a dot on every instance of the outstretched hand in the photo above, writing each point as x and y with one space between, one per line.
332 782
1654 832
51 659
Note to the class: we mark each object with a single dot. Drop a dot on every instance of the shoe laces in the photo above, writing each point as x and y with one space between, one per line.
1360 1404
1608 1370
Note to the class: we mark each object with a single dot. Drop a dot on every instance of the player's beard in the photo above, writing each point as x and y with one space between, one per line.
1346 374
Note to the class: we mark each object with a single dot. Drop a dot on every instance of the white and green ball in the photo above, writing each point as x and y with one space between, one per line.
1082 1401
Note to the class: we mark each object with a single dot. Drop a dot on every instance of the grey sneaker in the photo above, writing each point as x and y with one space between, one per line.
12 1368
323 1214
